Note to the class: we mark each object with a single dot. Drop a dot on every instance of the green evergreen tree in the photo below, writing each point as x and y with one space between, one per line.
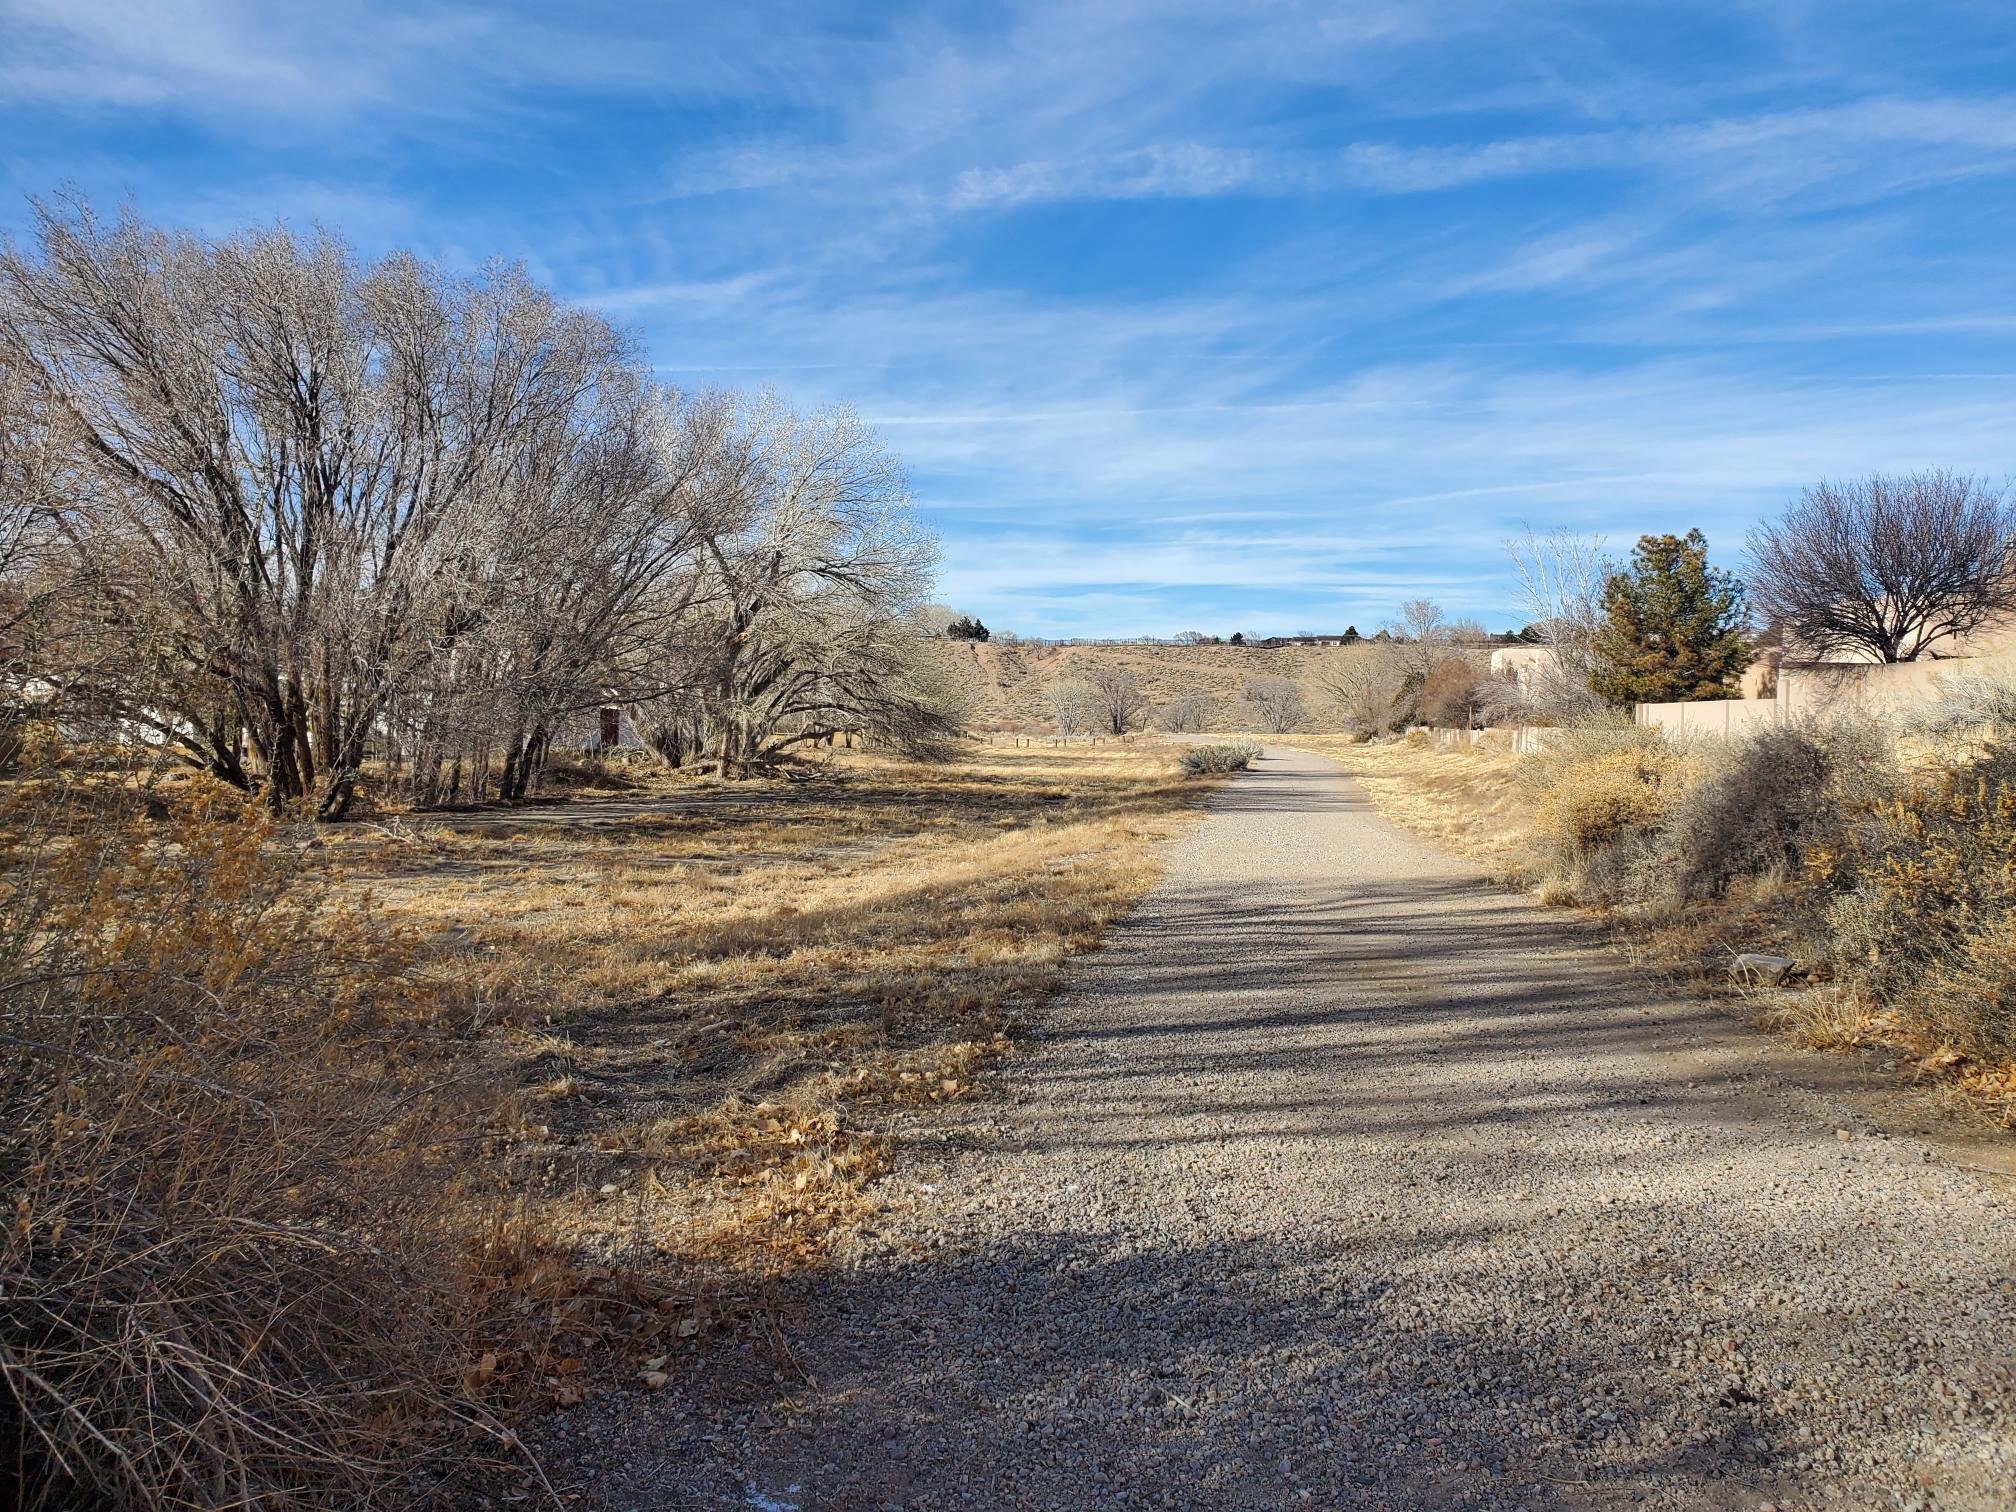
1672 627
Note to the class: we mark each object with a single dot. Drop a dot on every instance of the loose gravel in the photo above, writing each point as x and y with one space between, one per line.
1343 1179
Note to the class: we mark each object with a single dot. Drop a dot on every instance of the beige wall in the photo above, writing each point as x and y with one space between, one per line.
1714 718
1828 690
1809 691
1524 663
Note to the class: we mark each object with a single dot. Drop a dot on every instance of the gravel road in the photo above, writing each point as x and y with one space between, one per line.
1343 1179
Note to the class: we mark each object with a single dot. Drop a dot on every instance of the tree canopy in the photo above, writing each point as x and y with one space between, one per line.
1893 567
1672 627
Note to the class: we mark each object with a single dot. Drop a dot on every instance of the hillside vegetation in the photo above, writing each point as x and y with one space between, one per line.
1011 681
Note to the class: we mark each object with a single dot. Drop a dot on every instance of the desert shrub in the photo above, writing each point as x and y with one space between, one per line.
1927 926
1450 694
224 1279
1600 793
1600 799
1200 761
1764 804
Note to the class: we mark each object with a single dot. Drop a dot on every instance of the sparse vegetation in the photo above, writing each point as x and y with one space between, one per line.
237 1266
1878 862
249 1099
1924 916
1199 761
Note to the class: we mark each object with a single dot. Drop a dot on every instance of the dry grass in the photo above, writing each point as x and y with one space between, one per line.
1467 799
1481 803
327 1150
229 1276
711 998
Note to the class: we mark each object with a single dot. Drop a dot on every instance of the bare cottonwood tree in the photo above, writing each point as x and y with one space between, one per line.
1894 567
290 467
1191 714
1421 623
1073 705
1118 702
812 572
1561 575
1424 636
1367 686
1278 703
310 509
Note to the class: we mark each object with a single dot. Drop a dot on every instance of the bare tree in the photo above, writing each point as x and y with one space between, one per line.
1074 706
1118 701
32 568
1278 702
306 510
289 469
1190 714
1192 638
1561 576
1421 633
814 567
1421 620
1888 566
1366 684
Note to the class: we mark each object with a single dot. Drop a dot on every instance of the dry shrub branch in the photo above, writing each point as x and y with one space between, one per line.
224 1280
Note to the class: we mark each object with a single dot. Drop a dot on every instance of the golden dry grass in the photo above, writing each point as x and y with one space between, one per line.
710 996
1476 802
1469 799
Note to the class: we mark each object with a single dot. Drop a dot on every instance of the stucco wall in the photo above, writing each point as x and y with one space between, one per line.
1810 691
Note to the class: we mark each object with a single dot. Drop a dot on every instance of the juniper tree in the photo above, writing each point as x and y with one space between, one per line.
1672 627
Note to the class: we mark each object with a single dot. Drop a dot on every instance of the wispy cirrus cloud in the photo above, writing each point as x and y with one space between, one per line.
1273 315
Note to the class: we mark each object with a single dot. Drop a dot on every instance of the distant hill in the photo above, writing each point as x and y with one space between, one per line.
1012 680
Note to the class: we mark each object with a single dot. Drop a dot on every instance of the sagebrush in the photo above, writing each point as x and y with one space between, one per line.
1201 761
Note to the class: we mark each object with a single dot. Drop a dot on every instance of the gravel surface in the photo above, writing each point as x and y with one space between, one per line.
1342 1179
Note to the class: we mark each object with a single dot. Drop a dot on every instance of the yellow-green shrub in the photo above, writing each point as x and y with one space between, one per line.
1603 798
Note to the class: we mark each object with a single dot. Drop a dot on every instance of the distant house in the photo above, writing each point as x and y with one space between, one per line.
1525 664
1275 642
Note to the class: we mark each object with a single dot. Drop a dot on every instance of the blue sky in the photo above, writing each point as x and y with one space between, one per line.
1213 316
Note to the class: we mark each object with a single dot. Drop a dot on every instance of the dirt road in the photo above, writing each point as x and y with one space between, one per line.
1340 1179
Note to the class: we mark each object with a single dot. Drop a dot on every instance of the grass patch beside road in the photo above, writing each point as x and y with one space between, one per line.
1468 800
710 998
1880 871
